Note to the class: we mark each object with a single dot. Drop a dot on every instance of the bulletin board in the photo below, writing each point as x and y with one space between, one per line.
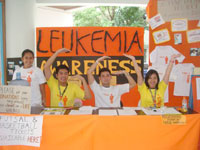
174 12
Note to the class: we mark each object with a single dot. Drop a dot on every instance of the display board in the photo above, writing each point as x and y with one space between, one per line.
172 25
87 44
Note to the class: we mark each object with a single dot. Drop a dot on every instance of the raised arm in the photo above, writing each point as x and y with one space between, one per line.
140 79
85 86
131 81
92 68
169 68
47 70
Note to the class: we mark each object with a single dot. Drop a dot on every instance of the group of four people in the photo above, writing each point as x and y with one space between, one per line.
64 93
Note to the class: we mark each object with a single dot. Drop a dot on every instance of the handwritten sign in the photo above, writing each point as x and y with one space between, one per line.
90 41
170 9
15 99
21 130
172 119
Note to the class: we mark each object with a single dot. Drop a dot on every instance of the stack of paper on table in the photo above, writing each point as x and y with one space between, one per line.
132 108
107 112
126 112
53 111
87 108
80 112
160 111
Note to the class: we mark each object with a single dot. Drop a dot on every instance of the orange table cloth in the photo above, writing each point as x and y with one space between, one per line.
93 132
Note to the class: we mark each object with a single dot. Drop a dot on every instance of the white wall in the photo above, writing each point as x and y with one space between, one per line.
21 20
46 17
20 26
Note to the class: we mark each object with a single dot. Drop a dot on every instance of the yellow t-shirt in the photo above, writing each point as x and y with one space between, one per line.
146 97
72 92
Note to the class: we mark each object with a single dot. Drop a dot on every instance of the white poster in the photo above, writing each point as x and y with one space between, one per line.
171 9
161 36
156 21
15 99
198 88
193 36
21 130
179 25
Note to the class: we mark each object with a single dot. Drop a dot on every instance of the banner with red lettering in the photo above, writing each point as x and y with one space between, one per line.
87 44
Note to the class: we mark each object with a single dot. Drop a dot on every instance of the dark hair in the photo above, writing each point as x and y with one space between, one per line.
62 67
104 70
27 51
148 75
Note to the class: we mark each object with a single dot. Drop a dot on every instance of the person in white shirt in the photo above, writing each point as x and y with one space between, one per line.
34 76
105 94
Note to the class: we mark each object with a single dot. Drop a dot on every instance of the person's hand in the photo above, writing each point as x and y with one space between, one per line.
129 56
102 58
62 50
78 77
43 102
174 56
77 103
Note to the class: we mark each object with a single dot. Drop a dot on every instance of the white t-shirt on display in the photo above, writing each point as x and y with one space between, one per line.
161 55
108 97
183 78
35 77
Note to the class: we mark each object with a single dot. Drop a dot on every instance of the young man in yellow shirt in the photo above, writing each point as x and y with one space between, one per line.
63 93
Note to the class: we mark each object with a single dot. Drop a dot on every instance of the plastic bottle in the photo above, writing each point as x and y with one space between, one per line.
184 105
18 76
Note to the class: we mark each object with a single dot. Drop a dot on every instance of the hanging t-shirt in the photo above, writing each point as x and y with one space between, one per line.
108 97
35 77
161 55
183 74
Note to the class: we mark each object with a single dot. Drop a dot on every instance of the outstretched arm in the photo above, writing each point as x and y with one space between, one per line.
85 86
137 69
169 68
92 68
131 81
47 70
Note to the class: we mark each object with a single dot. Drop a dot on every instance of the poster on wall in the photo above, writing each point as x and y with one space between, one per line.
161 36
179 25
171 9
156 21
87 44
193 36
177 38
